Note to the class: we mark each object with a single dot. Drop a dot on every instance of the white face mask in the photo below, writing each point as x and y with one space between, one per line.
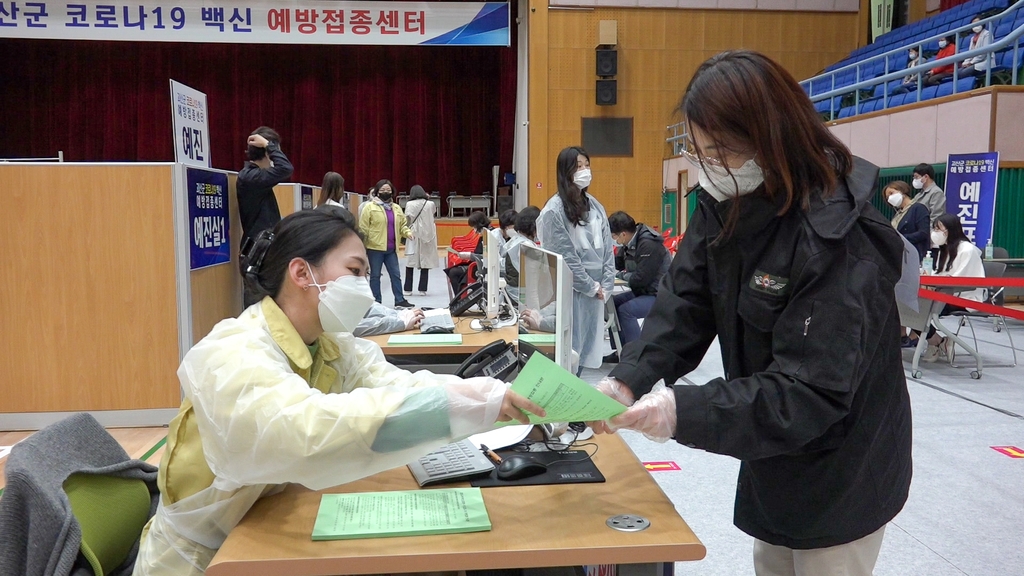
717 182
896 200
913 55
582 178
343 302
977 29
939 237
943 43
918 183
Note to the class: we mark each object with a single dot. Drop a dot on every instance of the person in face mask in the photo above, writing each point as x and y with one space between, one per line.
911 218
910 80
285 394
789 266
383 223
977 65
947 47
574 224
927 191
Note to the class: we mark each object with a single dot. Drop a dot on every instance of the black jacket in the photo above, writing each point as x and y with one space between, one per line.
257 205
644 260
916 228
814 401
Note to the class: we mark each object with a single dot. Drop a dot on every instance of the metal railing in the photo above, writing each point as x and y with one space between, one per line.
677 137
58 158
1013 38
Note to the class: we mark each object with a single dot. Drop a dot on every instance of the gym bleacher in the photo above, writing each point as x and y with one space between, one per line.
864 81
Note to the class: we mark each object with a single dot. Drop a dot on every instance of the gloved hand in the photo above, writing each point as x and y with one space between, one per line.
475 404
617 390
412 318
654 414
531 318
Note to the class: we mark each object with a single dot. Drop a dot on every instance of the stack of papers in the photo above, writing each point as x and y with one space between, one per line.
401 513
563 396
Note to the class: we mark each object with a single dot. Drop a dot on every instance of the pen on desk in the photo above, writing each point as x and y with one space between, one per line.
490 454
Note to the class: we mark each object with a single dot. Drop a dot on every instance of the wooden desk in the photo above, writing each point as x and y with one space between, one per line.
471 341
532 526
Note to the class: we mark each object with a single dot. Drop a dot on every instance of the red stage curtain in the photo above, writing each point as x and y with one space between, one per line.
435 116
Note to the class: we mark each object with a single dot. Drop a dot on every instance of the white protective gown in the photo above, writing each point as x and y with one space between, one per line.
269 413
587 249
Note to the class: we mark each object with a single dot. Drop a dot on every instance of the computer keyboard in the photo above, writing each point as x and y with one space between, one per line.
439 317
450 463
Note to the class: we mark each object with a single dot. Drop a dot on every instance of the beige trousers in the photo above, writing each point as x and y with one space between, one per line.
856 558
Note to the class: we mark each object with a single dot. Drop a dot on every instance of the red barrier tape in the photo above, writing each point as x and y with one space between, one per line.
972 282
972 304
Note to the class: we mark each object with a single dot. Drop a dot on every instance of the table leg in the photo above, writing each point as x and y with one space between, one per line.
976 374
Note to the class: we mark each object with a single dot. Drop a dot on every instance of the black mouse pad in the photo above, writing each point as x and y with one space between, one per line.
572 467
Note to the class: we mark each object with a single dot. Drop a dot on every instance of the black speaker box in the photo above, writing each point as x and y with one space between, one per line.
607 62
607 94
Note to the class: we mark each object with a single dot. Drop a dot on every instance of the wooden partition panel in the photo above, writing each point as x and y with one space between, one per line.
658 52
217 290
88 301
285 194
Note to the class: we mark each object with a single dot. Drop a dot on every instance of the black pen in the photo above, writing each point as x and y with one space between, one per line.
490 454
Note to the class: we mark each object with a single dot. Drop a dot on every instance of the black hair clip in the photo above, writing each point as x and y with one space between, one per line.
254 250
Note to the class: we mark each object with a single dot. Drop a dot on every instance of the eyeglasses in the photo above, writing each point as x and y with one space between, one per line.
690 152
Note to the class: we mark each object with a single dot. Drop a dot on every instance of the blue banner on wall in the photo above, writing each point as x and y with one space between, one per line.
971 193
207 194
307 197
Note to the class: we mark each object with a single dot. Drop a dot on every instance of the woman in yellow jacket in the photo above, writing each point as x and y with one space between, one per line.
285 394
383 223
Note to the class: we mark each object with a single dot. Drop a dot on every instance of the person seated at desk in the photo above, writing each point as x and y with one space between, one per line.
642 260
958 256
911 218
458 273
285 394
380 319
525 231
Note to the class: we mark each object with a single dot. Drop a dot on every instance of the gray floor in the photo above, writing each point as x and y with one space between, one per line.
965 514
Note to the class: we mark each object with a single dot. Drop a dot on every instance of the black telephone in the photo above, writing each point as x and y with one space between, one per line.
496 360
467 297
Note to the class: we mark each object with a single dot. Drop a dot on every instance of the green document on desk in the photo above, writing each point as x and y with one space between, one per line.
425 340
537 338
400 513
563 396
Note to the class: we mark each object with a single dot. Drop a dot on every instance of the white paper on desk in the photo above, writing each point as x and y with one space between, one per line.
502 437
5 450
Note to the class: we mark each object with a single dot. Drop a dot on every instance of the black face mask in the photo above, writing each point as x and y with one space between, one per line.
384 196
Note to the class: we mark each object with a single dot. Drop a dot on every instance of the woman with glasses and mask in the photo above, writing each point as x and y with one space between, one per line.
788 265
575 225
383 224
285 394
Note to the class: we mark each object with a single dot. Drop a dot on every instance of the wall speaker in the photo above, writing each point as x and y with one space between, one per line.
607 94
607 62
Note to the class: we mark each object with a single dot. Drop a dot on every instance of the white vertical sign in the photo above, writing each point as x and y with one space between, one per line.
191 126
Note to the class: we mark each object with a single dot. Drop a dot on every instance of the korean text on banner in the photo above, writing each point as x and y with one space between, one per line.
191 126
971 193
306 196
262 21
207 195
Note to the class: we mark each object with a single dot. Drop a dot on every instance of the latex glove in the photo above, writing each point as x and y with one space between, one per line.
616 390
475 404
654 414
531 318
412 318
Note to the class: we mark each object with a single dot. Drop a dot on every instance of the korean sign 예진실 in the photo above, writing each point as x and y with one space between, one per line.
191 126
971 193
261 21
210 239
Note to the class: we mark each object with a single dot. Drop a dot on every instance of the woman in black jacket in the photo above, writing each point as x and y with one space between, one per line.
786 262
911 218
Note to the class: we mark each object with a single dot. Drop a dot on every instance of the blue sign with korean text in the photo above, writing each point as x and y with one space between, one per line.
971 193
207 196
307 197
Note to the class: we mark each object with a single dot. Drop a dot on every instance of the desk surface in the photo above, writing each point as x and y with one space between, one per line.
471 341
532 526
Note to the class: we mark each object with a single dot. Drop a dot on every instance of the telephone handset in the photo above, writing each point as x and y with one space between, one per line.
466 298
496 360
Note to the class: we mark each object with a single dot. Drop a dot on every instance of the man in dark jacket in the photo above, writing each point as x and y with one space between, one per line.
641 260
814 400
267 166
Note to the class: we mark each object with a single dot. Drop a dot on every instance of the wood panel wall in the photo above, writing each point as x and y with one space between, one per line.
88 301
658 51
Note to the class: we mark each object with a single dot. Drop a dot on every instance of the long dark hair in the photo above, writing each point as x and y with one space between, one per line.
574 200
954 236
306 234
417 193
745 98
332 188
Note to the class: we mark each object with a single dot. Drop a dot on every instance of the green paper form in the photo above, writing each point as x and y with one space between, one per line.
400 513
563 396
425 340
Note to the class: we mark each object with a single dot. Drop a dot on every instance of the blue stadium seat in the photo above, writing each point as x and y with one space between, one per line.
929 92
966 84
847 112
1003 30
897 100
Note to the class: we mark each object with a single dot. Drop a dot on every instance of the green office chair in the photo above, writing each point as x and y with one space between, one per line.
112 513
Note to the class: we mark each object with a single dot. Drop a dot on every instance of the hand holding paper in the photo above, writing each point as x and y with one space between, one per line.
563 396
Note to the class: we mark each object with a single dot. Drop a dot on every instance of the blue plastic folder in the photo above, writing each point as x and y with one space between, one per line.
425 340
400 513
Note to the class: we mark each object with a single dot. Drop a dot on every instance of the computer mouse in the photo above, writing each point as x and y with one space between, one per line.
517 467
436 330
